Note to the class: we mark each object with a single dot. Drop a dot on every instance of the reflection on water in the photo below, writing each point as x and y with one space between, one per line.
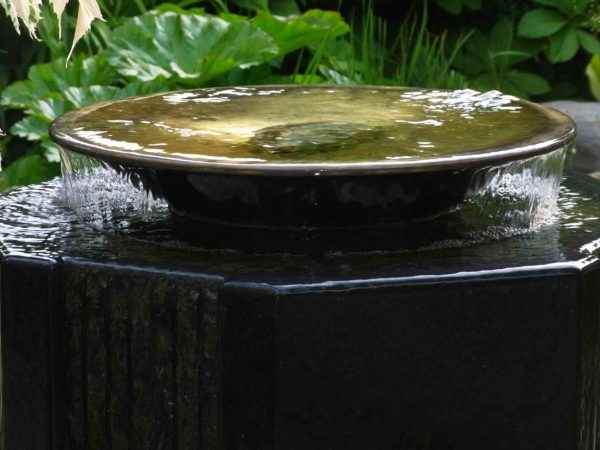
308 124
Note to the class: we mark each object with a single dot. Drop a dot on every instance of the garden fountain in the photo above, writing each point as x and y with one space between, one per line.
304 267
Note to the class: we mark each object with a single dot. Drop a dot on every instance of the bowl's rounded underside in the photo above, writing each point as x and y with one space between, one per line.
299 202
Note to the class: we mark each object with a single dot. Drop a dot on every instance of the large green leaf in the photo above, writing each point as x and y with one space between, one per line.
34 126
565 6
593 73
494 54
55 77
84 96
501 35
580 6
541 23
31 128
253 5
27 170
191 49
50 108
294 32
284 7
568 7
78 97
589 42
529 83
146 88
172 7
43 111
563 45
473 58
456 6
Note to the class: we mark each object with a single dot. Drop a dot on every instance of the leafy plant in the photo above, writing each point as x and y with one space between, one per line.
458 6
490 62
415 57
51 90
155 52
592 72
563 23
190 49
29 169
281 7
309 29
43 95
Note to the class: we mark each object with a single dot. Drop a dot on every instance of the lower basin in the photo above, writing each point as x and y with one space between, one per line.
296 157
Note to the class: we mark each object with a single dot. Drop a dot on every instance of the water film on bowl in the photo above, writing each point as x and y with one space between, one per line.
512 199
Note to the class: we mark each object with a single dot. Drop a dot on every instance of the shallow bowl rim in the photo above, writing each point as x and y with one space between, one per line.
561 134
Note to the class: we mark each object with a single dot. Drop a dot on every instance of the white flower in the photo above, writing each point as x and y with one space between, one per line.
28 12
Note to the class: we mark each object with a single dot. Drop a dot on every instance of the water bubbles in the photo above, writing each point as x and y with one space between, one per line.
102 197
507 201
523 194
465 101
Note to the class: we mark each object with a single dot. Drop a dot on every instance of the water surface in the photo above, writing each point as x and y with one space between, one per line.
309 124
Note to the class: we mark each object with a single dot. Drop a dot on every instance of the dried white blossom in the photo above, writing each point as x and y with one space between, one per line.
27 12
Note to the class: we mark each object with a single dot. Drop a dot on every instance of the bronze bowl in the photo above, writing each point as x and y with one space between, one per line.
313 156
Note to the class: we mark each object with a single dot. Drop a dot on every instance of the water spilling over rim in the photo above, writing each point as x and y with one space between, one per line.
288 160
510 200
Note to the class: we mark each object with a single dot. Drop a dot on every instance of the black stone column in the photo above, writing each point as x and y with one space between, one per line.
107 356
119 358
31 360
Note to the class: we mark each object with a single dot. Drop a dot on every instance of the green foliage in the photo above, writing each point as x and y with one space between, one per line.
253 5
55 77
490 62
415 57
188 49
561 22
154 52
55 88
284 7
29 169
458 6
280 7
593 74
297 31
49 91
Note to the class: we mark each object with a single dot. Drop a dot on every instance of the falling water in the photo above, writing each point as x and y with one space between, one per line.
513 199
102 197
521 194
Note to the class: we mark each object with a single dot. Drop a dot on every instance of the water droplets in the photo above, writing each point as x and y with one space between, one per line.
465 101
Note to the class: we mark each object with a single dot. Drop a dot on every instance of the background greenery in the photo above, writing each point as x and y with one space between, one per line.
539 49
